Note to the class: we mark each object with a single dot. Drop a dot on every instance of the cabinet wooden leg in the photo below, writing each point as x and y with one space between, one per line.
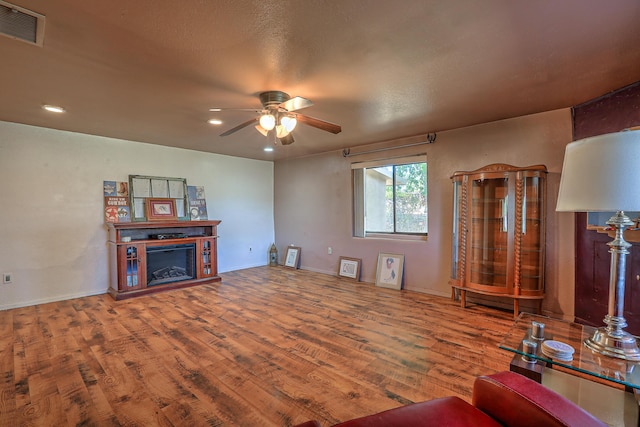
463 298
516 308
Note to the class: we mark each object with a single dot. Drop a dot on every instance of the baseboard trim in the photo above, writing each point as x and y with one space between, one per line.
51 299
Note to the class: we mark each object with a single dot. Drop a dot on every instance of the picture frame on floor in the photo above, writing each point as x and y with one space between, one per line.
390 270
349 268
292 257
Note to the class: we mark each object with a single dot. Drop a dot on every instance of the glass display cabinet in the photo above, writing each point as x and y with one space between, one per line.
498 233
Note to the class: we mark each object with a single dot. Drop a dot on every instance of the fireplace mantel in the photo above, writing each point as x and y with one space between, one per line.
128 244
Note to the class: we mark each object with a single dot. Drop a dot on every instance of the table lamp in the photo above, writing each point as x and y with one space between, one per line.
602 174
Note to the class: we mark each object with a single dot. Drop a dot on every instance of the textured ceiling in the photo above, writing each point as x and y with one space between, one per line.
149 70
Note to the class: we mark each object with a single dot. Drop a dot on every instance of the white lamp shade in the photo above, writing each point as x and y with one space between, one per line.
289 123
267 121
601 174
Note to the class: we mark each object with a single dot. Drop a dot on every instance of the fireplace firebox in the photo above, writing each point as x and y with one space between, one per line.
170 263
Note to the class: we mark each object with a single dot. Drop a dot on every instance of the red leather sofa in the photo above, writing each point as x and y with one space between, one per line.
499 400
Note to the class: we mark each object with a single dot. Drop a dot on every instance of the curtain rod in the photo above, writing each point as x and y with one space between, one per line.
431 138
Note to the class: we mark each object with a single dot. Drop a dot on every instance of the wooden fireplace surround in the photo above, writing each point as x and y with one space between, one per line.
128 243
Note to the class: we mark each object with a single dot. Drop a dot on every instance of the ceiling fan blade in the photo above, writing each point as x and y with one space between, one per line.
296 103
251 110
240 126
287 140
320 124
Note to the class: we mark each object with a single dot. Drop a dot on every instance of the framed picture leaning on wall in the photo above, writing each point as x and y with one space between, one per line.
141 188
292 257
389 272
349 268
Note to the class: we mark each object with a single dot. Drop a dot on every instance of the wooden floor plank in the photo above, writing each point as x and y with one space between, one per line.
267 346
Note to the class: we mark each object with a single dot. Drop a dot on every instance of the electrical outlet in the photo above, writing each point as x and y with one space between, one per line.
7 278
249 249
329 250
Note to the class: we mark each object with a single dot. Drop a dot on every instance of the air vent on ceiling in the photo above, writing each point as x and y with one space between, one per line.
21 24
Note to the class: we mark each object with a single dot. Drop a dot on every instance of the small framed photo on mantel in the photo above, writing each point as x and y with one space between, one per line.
292 257
389 272
161 209
349 268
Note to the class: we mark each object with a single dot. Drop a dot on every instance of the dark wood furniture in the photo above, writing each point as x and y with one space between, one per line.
499 233
130 242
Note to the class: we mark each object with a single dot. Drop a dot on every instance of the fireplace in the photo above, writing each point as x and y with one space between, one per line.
142 263
170 263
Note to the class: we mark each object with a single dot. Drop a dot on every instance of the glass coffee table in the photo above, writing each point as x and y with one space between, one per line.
530 360
607 387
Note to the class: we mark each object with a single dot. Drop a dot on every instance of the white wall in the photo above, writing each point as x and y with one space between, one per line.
313 206
52 234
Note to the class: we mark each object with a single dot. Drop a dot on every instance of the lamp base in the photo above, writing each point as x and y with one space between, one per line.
623 346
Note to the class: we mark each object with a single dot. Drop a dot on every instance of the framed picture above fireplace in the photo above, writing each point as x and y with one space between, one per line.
161 209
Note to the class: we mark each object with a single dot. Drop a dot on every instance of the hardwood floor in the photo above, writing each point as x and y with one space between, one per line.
267 346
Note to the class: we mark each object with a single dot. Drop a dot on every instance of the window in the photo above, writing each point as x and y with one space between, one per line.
390 197
143 188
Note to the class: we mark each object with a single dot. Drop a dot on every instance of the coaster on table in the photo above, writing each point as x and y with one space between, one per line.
558 350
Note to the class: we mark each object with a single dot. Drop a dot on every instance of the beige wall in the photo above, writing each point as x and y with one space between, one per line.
52 234
313 207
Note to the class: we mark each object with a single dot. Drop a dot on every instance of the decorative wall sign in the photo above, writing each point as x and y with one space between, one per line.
197 203
116 201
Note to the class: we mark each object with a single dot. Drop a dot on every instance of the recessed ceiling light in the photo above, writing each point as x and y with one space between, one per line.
215 122
53 108
268 149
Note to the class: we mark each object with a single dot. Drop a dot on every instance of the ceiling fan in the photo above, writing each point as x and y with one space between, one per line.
278 117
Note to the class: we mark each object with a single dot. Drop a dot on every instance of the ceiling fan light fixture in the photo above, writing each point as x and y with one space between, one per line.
281 131
279 109
262 130
267 121
289 123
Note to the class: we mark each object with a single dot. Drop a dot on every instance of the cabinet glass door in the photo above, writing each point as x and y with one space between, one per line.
531 235
131 258
207 258
457 228
489 232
